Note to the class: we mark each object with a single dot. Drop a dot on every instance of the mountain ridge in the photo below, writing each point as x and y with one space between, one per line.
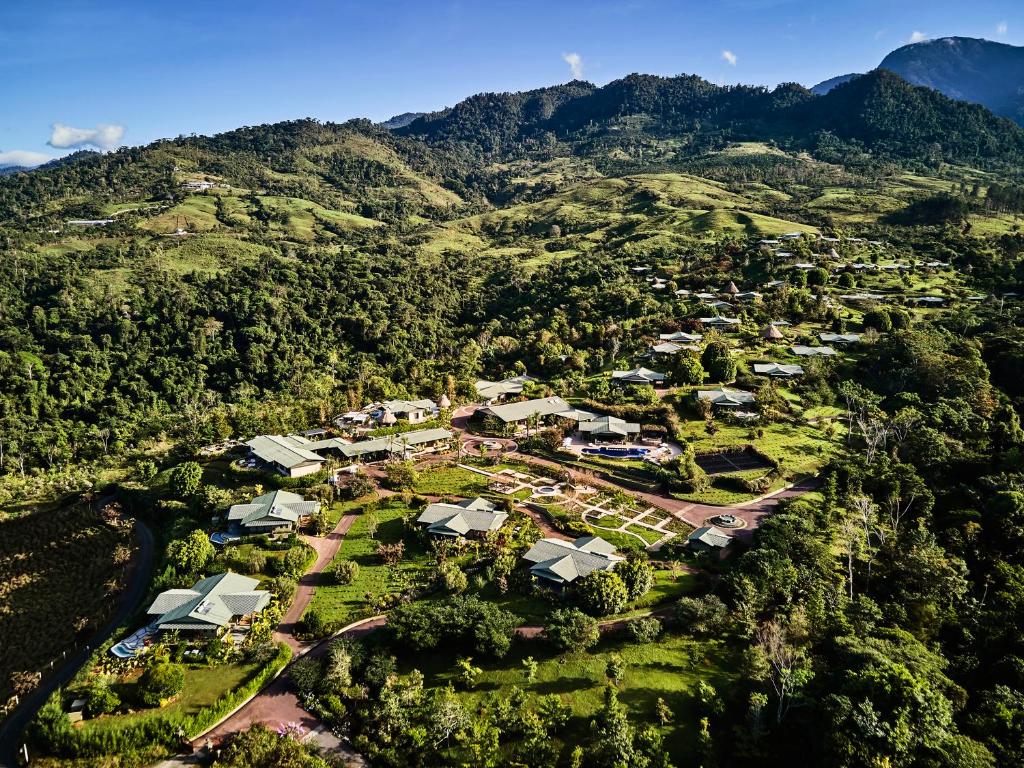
964 68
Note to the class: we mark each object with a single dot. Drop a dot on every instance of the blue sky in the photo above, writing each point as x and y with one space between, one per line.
102 73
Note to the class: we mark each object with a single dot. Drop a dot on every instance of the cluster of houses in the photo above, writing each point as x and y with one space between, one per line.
390 412
550 410
298 455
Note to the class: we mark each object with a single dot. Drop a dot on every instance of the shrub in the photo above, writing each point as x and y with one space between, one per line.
462 620
294 561
160 682
184 479
346 572
705 615
637 575
645 630
101 700
284 588
315 624
192 554
570 629
879 319
601 593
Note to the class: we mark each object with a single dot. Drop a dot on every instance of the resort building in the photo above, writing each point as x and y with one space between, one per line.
607 429
271 513
638 375
727 398
778 370
708 539
681 337
210 605
496 391
403 445
467 518
561 562
520 412
802 351
839 338
289 455
412 411
722 323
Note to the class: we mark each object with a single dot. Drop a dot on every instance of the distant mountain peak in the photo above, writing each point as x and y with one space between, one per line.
400 121
966 68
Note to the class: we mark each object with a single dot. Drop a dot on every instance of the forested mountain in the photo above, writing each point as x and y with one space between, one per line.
964 68
879 111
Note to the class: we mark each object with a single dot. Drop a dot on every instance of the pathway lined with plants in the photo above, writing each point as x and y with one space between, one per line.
326 548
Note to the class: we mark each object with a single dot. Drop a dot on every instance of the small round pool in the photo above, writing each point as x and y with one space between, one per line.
546 490
617 453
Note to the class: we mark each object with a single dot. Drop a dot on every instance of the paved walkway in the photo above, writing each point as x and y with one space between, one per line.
326 548
277 703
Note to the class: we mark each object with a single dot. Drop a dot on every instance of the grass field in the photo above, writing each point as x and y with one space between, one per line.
669 669
343 603
203 686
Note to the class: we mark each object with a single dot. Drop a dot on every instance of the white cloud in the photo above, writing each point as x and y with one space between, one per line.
575 62
105 136
881 33
22 158
917 37
730 57
1001 28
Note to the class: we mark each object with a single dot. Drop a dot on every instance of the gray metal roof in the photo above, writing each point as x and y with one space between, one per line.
212 602
395 444
681 336
725 396
639 375
286 451
710 536
778 369
460 518
609 425
839 338
510 386
272 509
512 412
565 561
803 351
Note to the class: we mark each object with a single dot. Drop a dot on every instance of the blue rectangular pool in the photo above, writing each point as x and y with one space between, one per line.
617 453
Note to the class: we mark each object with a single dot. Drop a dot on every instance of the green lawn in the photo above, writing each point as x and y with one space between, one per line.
799 448
344 603
203 686
457 481
669 669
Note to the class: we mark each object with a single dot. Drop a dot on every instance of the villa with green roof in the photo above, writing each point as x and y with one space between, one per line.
210 605
271 512
466 518
558 562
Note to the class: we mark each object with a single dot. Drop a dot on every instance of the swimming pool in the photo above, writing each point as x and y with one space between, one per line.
617 453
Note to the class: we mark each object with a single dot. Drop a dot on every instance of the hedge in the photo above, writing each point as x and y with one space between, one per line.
66 741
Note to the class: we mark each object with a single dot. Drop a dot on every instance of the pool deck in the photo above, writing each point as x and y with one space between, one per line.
662 452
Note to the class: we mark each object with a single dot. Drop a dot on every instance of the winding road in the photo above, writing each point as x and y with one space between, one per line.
138 579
